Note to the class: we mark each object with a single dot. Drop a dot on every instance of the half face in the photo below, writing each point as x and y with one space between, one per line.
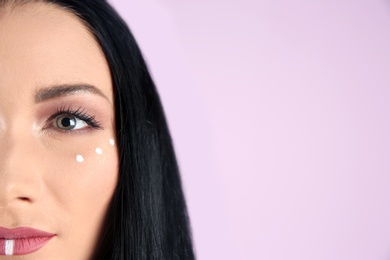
58 158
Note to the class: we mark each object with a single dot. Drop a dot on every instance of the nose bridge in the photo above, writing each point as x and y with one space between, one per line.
20 178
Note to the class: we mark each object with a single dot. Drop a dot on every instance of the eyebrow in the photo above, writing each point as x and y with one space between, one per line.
65 90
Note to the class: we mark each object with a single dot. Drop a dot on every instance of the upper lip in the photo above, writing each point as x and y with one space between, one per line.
22 232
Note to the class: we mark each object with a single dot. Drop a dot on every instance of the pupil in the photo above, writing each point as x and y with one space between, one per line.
66 122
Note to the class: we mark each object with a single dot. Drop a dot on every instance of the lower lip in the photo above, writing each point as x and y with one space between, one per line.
23 246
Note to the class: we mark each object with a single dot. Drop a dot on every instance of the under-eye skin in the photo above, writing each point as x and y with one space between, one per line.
67 120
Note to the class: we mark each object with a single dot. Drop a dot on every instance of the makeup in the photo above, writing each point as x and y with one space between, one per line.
111 141
22 241
79 158
99 151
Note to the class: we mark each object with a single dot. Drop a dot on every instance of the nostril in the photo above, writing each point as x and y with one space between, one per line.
24 199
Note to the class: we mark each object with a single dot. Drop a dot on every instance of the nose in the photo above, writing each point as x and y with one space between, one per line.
20 179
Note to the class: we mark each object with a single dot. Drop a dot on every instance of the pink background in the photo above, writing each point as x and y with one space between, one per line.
279 111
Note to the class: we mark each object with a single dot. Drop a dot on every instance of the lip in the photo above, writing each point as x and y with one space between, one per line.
22 240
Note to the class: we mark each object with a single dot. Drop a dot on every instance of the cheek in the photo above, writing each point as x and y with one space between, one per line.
98 150
81 182
83 175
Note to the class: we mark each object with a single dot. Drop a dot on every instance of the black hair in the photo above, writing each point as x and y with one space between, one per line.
147 218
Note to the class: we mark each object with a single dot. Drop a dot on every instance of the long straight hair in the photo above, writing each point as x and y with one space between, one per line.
147 218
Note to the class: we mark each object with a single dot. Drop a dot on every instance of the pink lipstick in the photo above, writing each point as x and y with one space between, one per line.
22 240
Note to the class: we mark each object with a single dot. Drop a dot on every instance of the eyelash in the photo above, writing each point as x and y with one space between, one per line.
79 114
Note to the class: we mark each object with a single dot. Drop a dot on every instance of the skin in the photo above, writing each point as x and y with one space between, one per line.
41 184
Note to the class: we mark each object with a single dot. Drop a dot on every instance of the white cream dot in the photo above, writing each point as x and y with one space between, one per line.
112 142
79 158
98 150
9 247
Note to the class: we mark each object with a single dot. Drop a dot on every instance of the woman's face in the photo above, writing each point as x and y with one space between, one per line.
58 158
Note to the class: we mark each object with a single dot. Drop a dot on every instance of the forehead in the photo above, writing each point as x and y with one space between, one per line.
42 44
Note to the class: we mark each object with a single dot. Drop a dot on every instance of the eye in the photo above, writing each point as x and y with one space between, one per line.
70 122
